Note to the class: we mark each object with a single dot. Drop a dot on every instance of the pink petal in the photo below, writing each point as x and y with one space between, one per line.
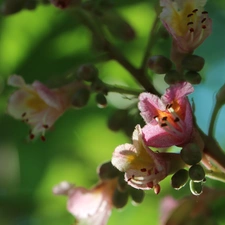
177 91
63 188
16 81
149 105
47 95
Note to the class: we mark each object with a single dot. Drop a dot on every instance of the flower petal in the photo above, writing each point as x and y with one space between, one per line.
16 81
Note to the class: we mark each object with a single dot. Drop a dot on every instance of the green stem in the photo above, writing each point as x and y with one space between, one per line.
215 112
89 21
122 90
215 175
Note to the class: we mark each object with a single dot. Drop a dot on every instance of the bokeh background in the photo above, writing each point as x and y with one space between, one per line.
45 44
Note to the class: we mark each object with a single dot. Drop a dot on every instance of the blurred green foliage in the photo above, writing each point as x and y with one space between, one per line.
46 44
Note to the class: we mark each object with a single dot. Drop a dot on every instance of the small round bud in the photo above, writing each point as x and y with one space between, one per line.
120 199
137 195
107 171
191 154
197 173
98 85
179 179
159 64
193 63
81 97
122 184
195 187
172 77
101 100
220 96
117 120
193 77
87 72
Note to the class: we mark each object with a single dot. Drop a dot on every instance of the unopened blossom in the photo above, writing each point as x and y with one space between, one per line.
90 207
187 22
37 105
169 118
143 168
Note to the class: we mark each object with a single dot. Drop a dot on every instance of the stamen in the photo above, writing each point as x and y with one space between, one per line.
45 126
176 119
156 171
43 138
195 10
203 27
191 30
143 170
31 136
150 184
203 20
164 118
190 23
204 12
163 125
157 189
189 15
24 114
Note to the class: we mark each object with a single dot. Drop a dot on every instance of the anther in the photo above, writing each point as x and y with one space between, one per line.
150 184
203 20
155 117
189 15
24 114
163 125
43 138
156 171
164 118
31 136
176 119
169 106
143 170
203 26
191 30
204 12
190 23
45 126
195 10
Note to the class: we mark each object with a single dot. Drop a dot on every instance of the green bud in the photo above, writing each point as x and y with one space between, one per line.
193 63
117 120
159 64
87 72
193 77
220 96
122 184
107 171
137 195
172 77
197 173
179 179
101 100
191 154
97 85
195 187
81 97
120 199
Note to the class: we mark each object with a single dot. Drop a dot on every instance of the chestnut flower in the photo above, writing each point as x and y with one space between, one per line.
143 168
169 119
38 105
187 22
90 207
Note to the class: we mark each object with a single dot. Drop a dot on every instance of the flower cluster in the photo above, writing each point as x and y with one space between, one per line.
169 122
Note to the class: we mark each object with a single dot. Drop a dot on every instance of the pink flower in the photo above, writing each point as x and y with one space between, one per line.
90 207
169 119
187 22
38 105
143 168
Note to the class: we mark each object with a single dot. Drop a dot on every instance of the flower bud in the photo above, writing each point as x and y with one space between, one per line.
122 184
120 199
197 173
195 187
137 195
107 171
179 179
117 120
81 97
98 85
191 154
193 77
159 64
193 63
220 96
101 100
172 77
87 72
